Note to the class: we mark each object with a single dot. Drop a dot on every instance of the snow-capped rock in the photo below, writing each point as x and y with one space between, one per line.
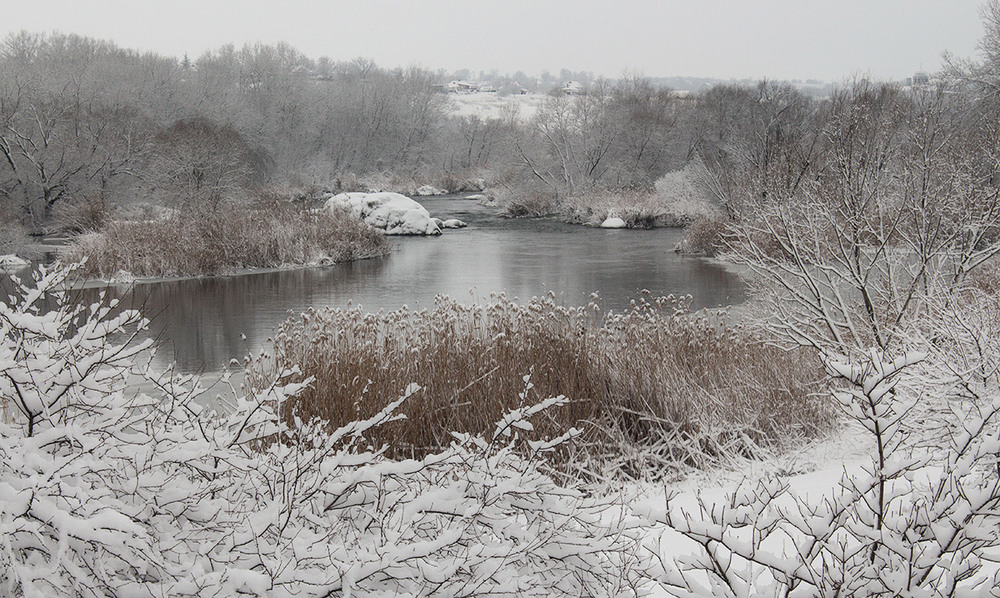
475 196
394 213
12 262
613 222
429 190
453 223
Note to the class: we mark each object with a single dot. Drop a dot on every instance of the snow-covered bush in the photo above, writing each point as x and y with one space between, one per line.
106 490
920 518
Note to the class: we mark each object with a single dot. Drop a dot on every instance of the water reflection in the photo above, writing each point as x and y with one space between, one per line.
201 323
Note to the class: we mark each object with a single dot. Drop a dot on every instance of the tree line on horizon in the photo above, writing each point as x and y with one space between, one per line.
87 128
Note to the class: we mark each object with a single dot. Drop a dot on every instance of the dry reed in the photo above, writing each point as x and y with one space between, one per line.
205 242
651 388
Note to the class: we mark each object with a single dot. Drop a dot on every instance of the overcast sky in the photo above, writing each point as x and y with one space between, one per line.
778 39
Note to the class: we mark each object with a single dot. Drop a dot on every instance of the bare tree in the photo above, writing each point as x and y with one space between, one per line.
197 163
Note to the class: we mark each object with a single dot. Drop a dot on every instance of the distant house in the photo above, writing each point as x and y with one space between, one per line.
462 87
572 88
921 78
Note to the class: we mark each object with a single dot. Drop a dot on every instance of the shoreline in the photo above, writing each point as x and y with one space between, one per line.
92 283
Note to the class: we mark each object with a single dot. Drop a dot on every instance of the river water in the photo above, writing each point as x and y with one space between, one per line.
204 323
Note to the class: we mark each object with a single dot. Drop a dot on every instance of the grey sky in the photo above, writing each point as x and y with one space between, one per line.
781 39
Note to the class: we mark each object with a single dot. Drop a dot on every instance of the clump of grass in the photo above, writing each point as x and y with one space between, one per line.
639 209
205 242
704 236
676 199
531 202
651 389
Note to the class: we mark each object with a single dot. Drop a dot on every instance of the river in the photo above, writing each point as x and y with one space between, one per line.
204 323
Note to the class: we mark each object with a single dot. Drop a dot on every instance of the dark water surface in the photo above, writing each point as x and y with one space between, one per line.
201 322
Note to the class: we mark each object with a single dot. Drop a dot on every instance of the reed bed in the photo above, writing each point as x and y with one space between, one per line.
651 389
206 242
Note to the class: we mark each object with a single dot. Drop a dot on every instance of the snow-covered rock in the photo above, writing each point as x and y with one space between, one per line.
394 213
429 190
475 196
12 262
449 223
613 222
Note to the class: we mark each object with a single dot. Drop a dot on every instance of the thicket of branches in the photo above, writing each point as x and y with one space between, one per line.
111 491
865 229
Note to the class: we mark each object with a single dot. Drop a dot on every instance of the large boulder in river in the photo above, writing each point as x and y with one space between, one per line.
394 213
613 222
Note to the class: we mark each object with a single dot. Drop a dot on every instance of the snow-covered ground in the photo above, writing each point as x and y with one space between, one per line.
106 492
492 105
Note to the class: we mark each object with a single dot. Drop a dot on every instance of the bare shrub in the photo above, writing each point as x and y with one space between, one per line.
112 491
677 199
199 242
704 236
683 198
13 233
530 203
471 180
639 209
918 518
379 181
651 388
196 162
88 213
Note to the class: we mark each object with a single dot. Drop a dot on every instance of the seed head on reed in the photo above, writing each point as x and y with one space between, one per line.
652 388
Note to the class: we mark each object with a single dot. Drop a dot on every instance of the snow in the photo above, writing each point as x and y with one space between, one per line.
453 223
394 213
430 190
613 222
105 491
12 262
491 106
102 487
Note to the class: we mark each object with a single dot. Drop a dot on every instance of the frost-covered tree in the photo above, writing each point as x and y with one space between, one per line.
903 210
870 263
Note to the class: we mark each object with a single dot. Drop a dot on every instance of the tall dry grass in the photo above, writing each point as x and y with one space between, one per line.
653 388
204 242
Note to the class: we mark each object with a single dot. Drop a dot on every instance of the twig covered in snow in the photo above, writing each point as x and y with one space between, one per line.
108 492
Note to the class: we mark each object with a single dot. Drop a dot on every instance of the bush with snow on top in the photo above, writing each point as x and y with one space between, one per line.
107 491
921 518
